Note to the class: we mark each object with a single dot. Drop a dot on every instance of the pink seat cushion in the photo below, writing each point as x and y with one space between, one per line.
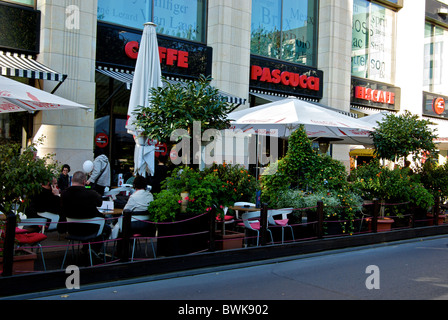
20 231
29 238
226 218
255 225
282 222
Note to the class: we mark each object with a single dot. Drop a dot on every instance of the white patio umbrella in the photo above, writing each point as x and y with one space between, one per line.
147 75
16 97
288 114
375 118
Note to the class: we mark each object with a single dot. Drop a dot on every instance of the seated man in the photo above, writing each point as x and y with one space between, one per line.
47 200
80 203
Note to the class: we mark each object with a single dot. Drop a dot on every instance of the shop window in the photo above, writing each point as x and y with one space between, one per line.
178 18
30 3
285 30
436 59
373 41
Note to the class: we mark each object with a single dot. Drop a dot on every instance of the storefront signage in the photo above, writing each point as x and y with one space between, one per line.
368 93
434 105
438 105
167 56
379 96
285 78
118 47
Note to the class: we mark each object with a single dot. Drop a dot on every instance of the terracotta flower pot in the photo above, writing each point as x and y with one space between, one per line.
384 224
23 262
230 240
430 217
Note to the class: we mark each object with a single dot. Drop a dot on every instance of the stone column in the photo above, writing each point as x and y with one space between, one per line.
68 45
334 58
229 36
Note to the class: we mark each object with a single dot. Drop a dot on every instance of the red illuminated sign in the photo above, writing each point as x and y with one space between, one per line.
171 57
438 105
379 96
285 77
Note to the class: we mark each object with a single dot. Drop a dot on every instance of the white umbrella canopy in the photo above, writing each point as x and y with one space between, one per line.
288 114
147 75
376 118
18 97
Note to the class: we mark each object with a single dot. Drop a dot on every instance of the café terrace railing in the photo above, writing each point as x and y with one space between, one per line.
315 222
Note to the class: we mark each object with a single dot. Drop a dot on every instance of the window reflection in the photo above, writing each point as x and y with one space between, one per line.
372 41
178 18
284 29
435 55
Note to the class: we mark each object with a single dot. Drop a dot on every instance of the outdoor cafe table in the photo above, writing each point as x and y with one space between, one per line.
242 208
114 212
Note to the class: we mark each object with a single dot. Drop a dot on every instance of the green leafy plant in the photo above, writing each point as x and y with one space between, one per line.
413 138
236 183
178 106
22 173
435 179
302 168
164 206
290 198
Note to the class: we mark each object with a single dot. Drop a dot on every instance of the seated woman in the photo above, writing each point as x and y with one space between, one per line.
140 199
138 203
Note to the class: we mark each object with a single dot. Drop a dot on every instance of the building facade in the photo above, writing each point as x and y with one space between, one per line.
357 56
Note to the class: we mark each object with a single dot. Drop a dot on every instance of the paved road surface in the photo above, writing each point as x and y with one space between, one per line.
405 270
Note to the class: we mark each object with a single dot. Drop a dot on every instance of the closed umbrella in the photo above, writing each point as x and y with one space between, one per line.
16 97
147 75
286 115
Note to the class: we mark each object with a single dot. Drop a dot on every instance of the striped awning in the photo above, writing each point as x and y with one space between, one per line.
127 77
20 65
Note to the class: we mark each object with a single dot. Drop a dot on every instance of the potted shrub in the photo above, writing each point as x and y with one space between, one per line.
21 176
234 184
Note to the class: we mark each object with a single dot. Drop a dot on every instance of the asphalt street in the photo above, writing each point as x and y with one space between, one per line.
406 270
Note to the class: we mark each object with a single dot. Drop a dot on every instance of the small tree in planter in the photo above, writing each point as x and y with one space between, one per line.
400 136
178 106
21 176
